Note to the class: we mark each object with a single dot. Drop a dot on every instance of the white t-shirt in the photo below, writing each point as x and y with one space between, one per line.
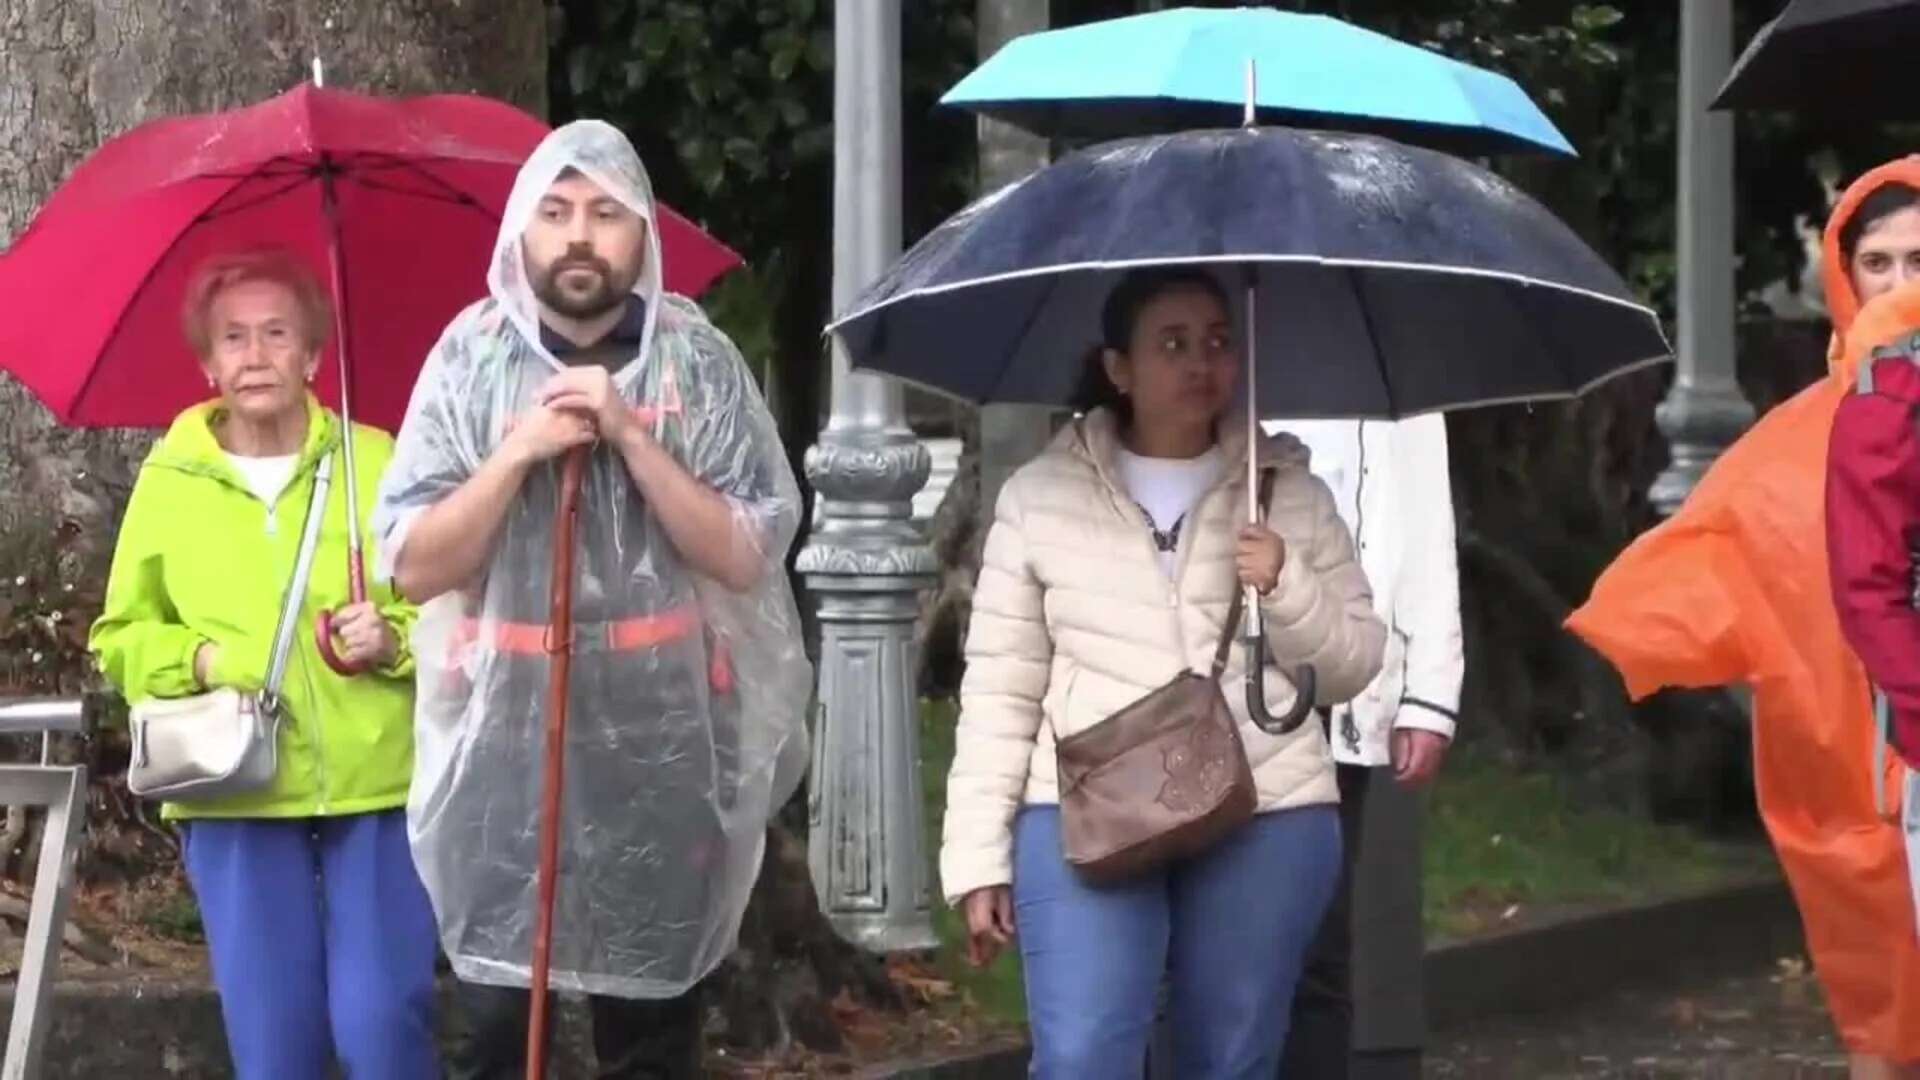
266 477
1167 489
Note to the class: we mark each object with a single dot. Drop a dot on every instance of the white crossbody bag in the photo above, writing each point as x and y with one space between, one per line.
226 742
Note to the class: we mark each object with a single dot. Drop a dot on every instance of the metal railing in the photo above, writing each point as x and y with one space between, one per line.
62 790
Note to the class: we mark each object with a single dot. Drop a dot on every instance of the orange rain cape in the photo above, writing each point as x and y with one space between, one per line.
1734 589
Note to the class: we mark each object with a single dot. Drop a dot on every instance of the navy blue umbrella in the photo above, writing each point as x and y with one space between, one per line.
1380 280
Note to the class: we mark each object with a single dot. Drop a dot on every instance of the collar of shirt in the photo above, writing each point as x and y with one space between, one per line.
625 335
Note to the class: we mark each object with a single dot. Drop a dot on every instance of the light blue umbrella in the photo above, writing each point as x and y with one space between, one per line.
1186 68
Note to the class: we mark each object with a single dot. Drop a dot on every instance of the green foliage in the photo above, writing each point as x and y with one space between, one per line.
742 304
1501 843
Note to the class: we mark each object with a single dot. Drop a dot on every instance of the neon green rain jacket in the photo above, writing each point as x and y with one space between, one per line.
201 559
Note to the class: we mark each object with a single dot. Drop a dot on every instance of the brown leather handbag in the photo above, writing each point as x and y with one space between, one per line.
1162 779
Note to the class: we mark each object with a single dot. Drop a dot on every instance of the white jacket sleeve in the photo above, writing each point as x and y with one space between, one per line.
1009 656
1427 608
1320 611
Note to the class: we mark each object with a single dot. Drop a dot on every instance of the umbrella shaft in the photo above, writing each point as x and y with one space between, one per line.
1253 425
337 268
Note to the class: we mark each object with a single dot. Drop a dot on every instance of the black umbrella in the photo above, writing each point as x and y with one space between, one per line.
1385 280
1379 280
1852 57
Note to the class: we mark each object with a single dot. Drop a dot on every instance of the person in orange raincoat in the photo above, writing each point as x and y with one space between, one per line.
1734 589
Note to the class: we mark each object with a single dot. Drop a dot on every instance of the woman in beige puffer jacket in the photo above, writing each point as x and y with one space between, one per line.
1109 569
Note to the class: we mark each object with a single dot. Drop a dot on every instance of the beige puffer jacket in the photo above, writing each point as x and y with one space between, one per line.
1073 620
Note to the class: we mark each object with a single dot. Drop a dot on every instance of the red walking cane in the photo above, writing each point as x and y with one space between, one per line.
560 648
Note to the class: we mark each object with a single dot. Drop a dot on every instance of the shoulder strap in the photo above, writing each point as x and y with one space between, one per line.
1235 609
302 569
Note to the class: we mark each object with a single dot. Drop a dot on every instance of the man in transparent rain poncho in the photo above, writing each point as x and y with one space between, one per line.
689 682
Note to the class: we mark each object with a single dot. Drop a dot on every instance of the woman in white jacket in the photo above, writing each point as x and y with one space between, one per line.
1109 569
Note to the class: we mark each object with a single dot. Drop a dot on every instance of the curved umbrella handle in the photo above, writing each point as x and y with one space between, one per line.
1304 683
323 641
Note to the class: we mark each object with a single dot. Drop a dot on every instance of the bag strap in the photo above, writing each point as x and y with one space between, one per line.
302 569
1235 609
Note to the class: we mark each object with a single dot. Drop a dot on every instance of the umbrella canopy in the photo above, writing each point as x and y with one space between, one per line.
1387 280
1848 57
91 292
1174 70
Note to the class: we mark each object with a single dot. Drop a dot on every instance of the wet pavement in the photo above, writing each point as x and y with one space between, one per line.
1768 1026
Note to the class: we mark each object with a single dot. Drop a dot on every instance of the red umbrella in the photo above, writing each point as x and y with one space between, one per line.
90 294
399 198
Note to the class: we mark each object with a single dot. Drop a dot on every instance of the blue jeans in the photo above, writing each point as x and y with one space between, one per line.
1228 930
323 945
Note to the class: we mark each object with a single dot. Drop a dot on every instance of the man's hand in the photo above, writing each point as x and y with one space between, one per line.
1258 558
365 637
1417 755
989 915
545 432
589 392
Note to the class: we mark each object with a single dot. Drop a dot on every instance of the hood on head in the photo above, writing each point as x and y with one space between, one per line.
601 153
1842 304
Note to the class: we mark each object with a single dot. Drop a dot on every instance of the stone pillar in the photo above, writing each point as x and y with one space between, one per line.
1705 411
1010 435
865 564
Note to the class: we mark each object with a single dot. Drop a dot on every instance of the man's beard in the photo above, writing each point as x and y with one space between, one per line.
610 292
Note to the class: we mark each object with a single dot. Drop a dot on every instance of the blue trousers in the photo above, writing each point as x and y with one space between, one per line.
323 945
1228 930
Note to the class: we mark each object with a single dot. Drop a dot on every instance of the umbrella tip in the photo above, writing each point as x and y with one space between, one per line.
319 75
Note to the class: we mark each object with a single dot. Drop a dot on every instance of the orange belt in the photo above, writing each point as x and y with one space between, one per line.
618 635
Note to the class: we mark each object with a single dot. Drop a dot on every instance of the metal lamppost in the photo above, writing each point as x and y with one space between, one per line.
865 564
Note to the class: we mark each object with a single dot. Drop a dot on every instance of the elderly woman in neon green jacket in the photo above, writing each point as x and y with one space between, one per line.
322 938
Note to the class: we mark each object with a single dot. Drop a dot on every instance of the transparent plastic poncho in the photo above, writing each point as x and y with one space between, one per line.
685 736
